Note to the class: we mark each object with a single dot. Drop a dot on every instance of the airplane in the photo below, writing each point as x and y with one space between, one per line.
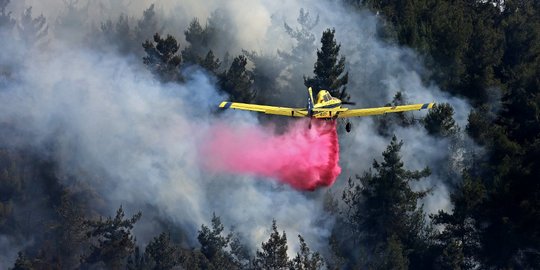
325 107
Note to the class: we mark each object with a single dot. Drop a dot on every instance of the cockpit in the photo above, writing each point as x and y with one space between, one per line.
323 96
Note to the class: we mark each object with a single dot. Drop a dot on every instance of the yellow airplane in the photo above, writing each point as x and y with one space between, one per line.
326 107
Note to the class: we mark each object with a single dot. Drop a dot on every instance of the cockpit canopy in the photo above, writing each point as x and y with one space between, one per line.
323 96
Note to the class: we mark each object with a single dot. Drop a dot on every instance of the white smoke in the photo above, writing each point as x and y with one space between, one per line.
141 137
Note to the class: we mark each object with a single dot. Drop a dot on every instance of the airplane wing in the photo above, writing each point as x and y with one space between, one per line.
384 110
295 112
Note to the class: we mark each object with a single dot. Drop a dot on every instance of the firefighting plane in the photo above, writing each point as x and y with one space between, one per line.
325 107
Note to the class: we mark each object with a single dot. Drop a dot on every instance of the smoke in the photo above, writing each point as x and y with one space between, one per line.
137 142
301 157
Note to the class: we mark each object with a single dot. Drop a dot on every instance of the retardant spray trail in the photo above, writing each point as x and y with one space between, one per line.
301 157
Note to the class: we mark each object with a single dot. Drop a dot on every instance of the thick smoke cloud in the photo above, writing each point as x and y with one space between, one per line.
141 139
138 138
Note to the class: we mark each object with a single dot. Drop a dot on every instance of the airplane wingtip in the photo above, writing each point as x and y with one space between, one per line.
225 104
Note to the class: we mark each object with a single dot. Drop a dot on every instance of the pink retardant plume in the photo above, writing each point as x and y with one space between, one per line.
301 157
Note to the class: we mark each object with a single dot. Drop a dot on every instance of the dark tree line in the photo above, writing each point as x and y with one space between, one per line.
488 52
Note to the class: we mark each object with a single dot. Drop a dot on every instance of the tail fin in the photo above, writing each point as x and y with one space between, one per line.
310 104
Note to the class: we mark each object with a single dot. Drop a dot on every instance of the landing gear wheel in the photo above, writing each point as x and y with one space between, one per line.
348 126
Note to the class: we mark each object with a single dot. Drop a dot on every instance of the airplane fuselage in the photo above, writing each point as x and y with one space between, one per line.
326 101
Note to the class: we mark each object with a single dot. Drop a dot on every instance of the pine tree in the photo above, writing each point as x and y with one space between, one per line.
220 32
32 30
161 253
267 69
386 123
147 25
211 240
194 259
114 241
198 52
69 23
237 81
293 62
479 124
273 255
305 39
460 239
210 63
440 122
452 257
137 261
390 255
22 263
118 35
329 68
215 246
162 59
71 228
239 252
383 204
305 259
197 37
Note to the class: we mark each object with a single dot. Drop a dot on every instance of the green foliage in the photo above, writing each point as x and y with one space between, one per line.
479 124
480 50
11 183
70 228
305 259
113 239
194 259
382 205
137 261
452 257
460 239
161 252
265 75
390 255
210 62
212 242
22 263
162 59
329 68
118 35
386 122
219 251
440 122
237 81
147 25
460 39
198 39
274 252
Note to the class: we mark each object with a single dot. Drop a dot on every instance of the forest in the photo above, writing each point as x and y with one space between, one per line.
103 104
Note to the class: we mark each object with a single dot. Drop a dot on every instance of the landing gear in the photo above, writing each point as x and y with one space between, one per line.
348 126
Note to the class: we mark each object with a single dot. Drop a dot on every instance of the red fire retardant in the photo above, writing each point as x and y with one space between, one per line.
301 157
